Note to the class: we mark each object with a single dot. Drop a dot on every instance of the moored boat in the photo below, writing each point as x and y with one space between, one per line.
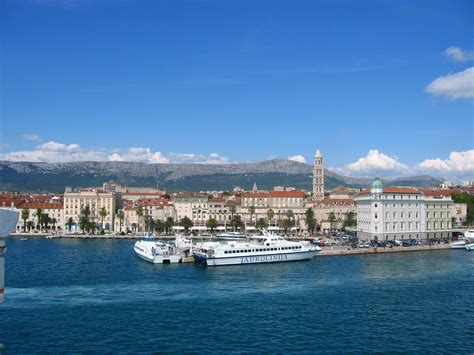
469 235
460 244
156 252
230 236
470 247
261 249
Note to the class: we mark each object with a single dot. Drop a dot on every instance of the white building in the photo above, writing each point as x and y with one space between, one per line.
195 206
403 213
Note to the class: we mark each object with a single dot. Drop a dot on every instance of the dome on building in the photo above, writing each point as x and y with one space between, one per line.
377 184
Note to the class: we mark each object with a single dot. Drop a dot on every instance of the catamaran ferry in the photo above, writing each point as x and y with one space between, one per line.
261 249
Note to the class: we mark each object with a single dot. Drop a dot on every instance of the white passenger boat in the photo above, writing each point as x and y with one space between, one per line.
260 249
469 235
156 252
184 245
470 247
230 236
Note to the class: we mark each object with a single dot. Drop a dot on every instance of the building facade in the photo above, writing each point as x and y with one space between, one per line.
75 201
397 213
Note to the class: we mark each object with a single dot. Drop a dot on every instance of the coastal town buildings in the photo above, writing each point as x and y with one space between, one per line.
95 199
195 206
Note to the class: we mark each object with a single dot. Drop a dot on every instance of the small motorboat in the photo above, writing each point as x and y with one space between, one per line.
470 247
460 244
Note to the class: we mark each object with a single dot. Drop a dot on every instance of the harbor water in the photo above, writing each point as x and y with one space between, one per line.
97 296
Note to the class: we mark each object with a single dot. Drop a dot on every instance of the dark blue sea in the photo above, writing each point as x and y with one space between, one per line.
84 296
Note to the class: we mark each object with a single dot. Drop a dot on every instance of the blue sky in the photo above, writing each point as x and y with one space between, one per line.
379 86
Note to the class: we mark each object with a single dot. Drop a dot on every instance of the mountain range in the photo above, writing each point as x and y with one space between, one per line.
54 177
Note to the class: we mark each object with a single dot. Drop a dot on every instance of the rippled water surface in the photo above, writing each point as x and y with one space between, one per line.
96 296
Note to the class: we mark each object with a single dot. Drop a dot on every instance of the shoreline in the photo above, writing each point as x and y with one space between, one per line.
325 252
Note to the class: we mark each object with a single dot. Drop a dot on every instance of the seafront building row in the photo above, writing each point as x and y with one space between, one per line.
378 213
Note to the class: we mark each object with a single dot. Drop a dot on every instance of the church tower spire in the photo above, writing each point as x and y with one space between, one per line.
318 176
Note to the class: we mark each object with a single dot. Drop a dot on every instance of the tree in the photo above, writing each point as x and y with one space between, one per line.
121 217
102 215
237 222
310 221
149 222
261 223
167 197
84 219
139 213
211 224
349 219
232 210
30 224
186 223
169 223
290 215
158 226
331 218
46 220
285 224
270 215
25 213
70 223
252 212
39 216
54 221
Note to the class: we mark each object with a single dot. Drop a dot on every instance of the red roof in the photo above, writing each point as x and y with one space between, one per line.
44 206
436 192
394 190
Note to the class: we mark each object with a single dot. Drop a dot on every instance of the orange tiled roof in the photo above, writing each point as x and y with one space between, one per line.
436 192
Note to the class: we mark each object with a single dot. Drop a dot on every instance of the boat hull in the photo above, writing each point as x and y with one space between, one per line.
203 259
158 258
458 245
470 247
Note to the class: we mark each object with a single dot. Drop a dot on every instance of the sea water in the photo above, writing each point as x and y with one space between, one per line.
97 296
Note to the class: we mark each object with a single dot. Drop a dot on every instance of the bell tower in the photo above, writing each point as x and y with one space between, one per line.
318 177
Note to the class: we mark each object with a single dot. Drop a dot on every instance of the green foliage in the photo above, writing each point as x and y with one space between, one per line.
285 224
186 223
25 213
469 200
168 224
211 224
261 223
270 215
349 220
310 220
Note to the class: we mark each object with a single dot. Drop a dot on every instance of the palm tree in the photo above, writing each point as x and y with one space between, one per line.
232 210
331 218
120 216
285 224
349 220
310 221
211 224
53 222
39 216
252 212
30 224
102 214
261 223
70 223
148 222
84 219
186 223
270 215
290 215
25 213
46 220
139 213
169 223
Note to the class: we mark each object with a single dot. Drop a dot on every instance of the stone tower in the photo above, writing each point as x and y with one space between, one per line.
318 177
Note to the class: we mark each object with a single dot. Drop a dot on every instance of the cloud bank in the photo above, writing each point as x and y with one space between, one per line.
457 54
55 152
457 166
298 158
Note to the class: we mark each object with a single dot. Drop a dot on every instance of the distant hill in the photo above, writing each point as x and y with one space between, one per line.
54 177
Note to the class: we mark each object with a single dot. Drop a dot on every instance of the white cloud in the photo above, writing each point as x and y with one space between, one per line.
54 152
191 158
456 86
298 158
376 161
458 54
32 137
458 166
457 161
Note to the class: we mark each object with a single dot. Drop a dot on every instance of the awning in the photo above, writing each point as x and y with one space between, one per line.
178 228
